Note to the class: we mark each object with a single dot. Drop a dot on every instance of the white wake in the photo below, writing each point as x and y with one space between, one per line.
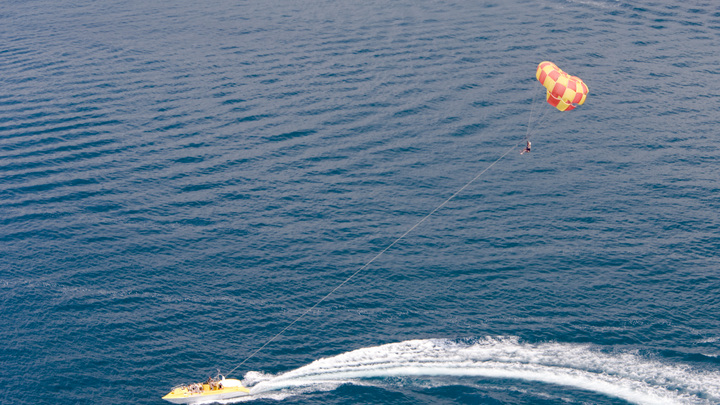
624 375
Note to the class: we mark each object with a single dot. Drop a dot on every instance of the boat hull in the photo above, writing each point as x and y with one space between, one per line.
183 395
198 399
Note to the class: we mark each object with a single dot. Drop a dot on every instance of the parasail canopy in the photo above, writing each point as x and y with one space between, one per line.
564 92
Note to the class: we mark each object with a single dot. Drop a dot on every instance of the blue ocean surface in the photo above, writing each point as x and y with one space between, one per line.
181 180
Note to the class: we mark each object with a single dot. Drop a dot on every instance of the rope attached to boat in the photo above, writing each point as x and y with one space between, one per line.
379 254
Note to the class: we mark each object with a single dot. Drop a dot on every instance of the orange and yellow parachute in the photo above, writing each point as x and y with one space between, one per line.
564 92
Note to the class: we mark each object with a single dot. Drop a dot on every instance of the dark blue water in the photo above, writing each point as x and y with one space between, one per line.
181 180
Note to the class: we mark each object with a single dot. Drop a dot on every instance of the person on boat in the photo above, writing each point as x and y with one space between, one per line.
527 148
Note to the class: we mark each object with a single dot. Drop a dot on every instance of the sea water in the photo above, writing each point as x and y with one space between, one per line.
179 181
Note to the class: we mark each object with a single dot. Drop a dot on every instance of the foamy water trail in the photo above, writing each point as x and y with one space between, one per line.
623 375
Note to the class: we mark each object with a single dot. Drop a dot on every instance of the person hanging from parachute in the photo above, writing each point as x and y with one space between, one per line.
564 92
527 148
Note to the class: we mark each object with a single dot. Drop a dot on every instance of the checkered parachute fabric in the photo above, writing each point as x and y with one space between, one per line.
564 92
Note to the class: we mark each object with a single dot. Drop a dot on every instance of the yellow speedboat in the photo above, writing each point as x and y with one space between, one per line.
214 389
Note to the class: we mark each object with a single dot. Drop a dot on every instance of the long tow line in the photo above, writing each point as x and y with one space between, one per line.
373 259
527 136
